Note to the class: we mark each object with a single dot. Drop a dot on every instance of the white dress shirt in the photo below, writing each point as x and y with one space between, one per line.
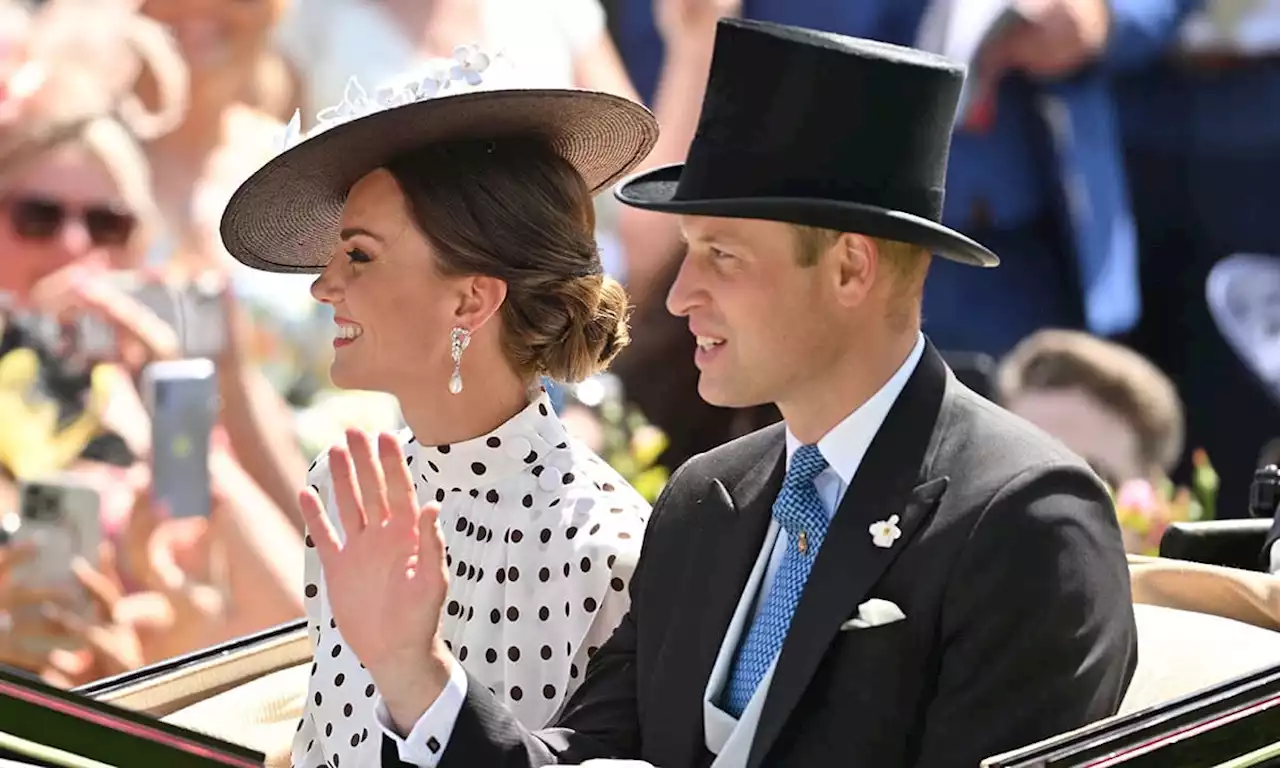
727 737
1275 558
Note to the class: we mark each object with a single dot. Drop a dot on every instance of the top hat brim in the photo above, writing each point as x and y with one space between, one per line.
655 190
285 218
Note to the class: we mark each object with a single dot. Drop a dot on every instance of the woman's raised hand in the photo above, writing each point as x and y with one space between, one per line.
386 582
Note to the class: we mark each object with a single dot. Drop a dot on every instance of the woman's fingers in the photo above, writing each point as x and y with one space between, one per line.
102 592
373 486
351 512
402 499
430 542
319 530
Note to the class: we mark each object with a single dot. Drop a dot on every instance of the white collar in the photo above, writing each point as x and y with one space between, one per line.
847 442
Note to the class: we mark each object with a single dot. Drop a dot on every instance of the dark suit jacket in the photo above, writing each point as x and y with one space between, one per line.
1010 570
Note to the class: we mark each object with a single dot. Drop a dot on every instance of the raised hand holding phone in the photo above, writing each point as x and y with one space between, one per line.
386 580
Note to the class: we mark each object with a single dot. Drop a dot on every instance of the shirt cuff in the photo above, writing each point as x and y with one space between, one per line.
426 743
1275 557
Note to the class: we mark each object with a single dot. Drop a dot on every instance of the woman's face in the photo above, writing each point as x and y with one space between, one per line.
394 309
61 209
216 35
1087 427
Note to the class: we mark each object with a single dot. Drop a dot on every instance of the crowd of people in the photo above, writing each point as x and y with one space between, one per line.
183 180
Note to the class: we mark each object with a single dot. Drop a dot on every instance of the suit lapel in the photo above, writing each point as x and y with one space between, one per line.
892 480
729 541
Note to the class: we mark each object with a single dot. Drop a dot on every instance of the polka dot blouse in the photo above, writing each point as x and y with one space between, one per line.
541 539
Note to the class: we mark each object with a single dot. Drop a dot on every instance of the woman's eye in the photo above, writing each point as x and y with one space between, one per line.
358 256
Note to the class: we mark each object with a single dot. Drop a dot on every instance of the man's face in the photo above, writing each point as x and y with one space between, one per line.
767 327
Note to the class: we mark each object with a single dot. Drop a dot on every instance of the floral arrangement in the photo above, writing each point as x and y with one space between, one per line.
619 433
1146 508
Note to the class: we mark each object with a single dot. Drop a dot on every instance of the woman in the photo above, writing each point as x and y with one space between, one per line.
454 240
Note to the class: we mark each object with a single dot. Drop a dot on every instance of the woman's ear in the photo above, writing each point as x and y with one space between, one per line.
480 297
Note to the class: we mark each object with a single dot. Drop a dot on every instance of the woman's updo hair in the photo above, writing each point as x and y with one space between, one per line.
513 209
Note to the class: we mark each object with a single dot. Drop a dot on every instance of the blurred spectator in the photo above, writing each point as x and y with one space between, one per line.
76 206
1202 139
1105 402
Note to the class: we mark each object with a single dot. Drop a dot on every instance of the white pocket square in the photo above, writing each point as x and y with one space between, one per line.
874 613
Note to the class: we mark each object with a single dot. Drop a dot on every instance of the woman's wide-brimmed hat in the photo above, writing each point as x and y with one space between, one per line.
285 218
822 130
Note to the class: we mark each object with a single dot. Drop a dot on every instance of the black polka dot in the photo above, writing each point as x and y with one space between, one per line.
482 532
502 575
542 409
355 740
517 536
479 574
544 574
336 760
612 559
571 532
442 448
474 492
545 537
440 494
493 442
607 487
516 693
513 613
589 605
339 679
617 584
495 615
462 653
567 569
453 608
532 457
491 496
408 460
313 465
544 613
337 649
546 653
314 667
470 612
333 623
491 656
471 572
548 691
462 569
567 478
554 502
461 525
478 468
527 501
594 529
513 653
309 542
364 734
562 446
567 608
311 590
328 729
299 728
573 671
513 574
369 690
592 651
347 709
536 471
433 466
471 529
319 698
585 565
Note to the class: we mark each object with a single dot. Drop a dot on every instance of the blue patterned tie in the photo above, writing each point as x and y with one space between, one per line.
804 522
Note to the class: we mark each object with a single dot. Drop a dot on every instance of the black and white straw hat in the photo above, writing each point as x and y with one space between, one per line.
285 217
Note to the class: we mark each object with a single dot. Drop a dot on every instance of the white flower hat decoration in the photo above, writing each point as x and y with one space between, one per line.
285 217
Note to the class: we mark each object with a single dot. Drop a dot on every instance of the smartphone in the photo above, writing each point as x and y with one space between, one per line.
193 309
182 396
61 517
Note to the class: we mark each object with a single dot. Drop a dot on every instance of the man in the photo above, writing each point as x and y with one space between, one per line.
901 575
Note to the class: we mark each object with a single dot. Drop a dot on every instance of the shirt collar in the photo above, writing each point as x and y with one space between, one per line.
847 442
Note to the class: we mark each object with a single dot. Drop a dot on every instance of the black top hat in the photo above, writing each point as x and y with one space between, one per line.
823 130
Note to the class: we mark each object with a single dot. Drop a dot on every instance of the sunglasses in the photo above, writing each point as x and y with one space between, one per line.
36 218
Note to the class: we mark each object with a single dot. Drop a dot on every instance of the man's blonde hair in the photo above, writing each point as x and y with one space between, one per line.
905 263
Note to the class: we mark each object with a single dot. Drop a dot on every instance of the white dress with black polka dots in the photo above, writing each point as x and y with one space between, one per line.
542 537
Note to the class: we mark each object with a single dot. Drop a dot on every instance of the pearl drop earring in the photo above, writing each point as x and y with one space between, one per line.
459 338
